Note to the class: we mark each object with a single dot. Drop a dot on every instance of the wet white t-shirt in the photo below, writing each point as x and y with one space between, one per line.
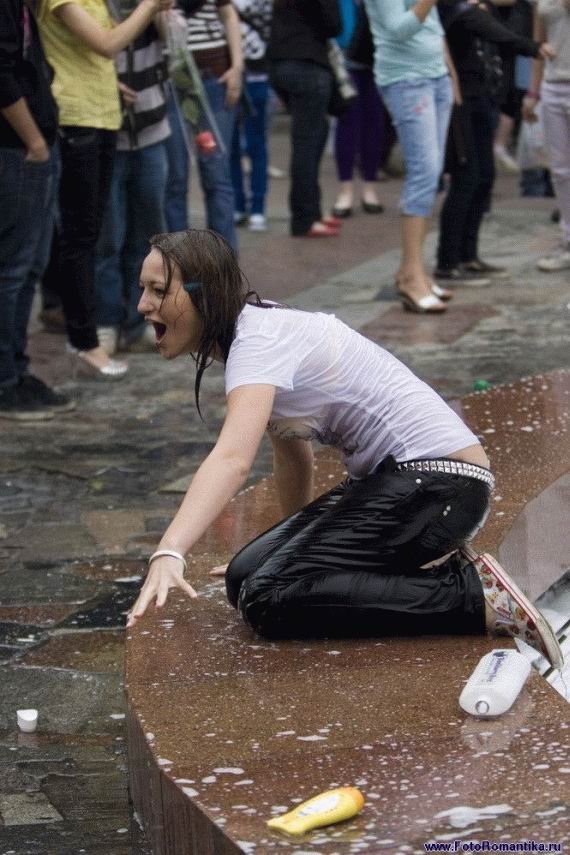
337 387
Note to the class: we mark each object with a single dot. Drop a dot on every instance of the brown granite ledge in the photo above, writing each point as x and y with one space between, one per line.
226 730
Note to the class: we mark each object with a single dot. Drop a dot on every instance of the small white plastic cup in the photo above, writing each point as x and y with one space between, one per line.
27 720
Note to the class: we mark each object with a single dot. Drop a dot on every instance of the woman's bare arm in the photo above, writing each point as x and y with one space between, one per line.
294 473
109 42
233 76
221 475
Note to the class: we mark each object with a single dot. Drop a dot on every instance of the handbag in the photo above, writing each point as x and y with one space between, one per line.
343 93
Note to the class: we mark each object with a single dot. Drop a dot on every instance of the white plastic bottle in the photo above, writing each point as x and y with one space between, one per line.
495 683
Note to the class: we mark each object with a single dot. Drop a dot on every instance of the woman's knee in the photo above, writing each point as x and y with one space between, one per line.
237 572
258 606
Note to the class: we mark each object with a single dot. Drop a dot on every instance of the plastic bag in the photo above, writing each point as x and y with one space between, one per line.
531 148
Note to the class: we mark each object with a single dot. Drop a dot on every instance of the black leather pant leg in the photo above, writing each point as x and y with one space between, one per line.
353 567
255 553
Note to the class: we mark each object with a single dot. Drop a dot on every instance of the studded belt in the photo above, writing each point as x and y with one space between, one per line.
449 467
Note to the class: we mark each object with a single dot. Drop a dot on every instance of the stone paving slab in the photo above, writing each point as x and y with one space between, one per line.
68 701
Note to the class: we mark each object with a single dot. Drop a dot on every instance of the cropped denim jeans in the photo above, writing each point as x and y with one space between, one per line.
420 110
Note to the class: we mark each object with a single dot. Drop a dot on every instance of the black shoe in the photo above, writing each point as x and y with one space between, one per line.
341 213
33 389
372 207
461 276
490 270
21 407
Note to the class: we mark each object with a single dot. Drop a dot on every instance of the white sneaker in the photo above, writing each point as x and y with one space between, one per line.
505 161
257 223
557 261
108 339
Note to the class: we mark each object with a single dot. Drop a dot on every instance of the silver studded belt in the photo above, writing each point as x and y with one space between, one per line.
449 467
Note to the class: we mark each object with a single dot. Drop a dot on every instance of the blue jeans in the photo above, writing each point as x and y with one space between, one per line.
255 132
27 202
214 170
420 110
176 201
134 213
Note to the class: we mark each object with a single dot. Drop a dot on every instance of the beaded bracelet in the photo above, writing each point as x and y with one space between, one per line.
170 552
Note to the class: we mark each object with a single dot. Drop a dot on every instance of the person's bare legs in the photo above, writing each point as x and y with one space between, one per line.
411 277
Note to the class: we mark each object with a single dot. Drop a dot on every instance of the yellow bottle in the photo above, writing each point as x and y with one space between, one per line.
324 809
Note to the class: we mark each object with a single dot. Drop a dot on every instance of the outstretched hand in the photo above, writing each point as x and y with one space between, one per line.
164 573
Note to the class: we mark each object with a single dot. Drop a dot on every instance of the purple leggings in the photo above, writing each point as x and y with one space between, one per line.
362 131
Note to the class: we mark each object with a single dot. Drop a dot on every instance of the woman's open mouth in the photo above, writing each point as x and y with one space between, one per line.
159 330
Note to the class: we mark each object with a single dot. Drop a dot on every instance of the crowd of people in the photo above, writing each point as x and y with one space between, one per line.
98 127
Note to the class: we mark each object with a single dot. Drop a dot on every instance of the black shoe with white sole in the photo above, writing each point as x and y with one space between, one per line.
33 389
460 276
21 407
493 271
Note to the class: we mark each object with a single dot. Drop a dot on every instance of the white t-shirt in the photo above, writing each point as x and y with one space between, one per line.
337 387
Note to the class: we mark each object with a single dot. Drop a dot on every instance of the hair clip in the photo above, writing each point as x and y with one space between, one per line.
191 286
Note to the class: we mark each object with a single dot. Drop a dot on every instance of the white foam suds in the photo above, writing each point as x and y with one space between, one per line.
551 812
190 791
462 816
229 770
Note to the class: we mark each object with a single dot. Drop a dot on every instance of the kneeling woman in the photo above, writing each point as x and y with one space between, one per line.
384 552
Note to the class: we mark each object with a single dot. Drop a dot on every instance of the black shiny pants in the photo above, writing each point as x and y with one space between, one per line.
349 564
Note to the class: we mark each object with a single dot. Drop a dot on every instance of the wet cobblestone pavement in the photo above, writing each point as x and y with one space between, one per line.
85 497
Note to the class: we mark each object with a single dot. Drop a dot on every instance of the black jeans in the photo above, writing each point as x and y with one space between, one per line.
349 563
87 156
306 90
471 165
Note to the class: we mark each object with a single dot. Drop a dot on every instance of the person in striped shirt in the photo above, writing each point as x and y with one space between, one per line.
214 38
135 209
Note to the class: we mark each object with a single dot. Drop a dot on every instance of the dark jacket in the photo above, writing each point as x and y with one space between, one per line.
475 37
24 73
300 29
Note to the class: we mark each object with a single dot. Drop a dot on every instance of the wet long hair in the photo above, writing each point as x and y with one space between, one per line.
219 291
